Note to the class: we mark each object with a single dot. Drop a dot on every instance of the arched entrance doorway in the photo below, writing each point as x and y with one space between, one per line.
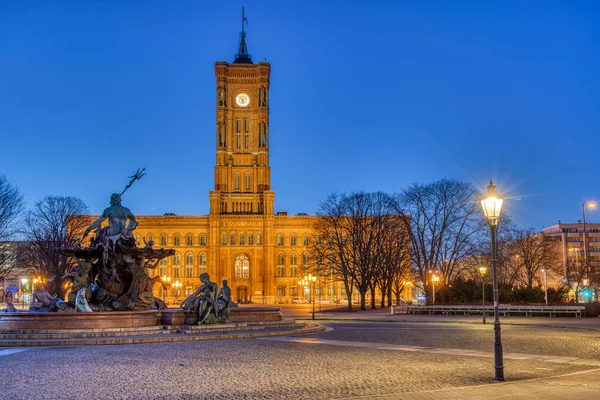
242 294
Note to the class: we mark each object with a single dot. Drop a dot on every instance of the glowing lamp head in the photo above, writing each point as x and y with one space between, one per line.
492 204
592 205
482 270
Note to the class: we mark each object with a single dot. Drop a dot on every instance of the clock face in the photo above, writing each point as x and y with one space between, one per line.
242 99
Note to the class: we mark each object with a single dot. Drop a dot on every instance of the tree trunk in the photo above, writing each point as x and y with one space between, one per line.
373 301
363 300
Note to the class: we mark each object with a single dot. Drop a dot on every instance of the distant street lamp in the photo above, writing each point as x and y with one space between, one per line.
482 271
545 272
306 282
166 280
492 204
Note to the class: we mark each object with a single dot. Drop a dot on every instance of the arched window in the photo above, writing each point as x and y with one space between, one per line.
246 133
189 290
250 239
242 266
280 259
176 272
176 259
189 271
162 270
202 240
223 239
247 182
259 238
190 240
138 240
202 262
280 240
293 291
280 271
189 259
232 239
305 259
176 240
150 237
293 264
163 261
293 240
242 241
238 132
236 182
280 291
163 240
305 240
318 240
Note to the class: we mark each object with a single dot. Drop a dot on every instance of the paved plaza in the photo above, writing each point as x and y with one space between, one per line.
357 357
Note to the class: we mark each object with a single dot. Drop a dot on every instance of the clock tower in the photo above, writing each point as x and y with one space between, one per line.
242 183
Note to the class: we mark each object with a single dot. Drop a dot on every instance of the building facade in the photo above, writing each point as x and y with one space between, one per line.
262 254
581 252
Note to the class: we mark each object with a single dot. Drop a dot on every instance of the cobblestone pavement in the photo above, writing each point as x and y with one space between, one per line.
361 360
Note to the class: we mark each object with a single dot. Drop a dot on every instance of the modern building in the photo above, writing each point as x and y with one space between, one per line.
263 254
580 245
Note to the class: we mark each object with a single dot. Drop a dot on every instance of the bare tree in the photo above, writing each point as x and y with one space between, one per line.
533 251
11 208
445 225
51 224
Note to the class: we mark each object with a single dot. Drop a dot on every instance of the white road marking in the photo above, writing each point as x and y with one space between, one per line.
6 352
437 350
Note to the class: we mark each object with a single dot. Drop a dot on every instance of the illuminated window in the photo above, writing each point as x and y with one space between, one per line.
305 240
242 266
259 239
176 272
163 240
241 238
190 240
250 239
280 291
293 240
176 259
223 239
236 182
189 271
202 240
202 259
189 259
176 240
280 240
232 239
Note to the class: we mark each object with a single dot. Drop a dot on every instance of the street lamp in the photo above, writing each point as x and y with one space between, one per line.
491 205
434 279
545 272
482 271
306 282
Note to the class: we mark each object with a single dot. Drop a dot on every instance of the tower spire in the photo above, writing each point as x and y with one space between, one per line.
242 56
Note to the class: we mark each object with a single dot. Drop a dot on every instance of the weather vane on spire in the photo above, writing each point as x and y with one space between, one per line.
242 56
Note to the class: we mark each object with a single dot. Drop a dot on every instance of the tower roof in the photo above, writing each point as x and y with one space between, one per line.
242 56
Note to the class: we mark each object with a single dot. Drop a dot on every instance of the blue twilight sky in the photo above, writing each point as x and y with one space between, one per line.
365 95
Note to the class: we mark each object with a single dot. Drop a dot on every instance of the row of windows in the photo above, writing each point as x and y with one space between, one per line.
189 259
293 259
188 271
202 240
233 237
293 240
331 291
236 182
176 240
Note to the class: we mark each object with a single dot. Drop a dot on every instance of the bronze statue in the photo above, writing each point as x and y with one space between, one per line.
112 271
204 301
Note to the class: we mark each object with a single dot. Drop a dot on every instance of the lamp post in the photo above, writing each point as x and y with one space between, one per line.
482 271
545 272
434 279
306 282
23 283
491 206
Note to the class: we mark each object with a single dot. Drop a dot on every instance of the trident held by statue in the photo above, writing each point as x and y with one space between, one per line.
138 175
